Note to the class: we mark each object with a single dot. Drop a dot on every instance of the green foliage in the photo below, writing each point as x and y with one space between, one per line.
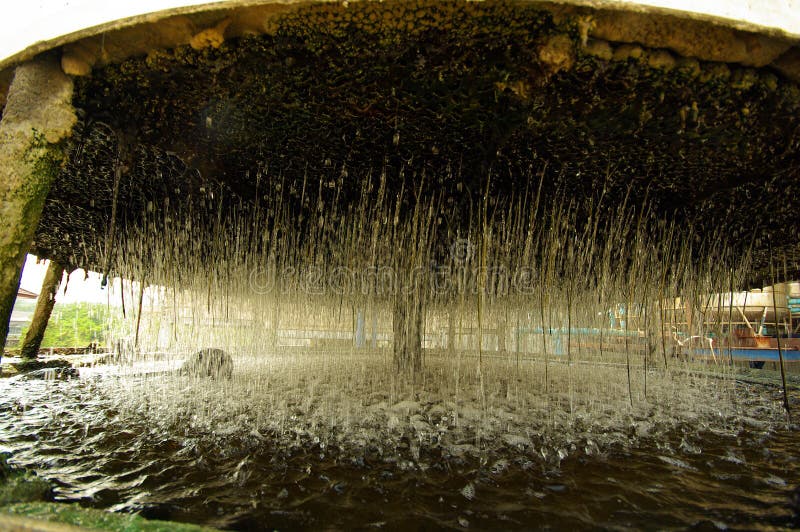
24 494
76 325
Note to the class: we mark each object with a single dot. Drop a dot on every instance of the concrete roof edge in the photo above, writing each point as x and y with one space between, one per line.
742 25
200 14
128 22
229 5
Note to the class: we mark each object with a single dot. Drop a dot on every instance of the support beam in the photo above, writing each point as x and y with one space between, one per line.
44 306
407 329
451 332
501 336
359 335
37 116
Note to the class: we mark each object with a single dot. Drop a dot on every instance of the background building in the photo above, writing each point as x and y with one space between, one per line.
21 315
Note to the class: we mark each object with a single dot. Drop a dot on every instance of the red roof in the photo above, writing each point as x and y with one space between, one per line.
25 294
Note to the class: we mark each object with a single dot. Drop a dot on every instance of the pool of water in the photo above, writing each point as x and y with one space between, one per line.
741 475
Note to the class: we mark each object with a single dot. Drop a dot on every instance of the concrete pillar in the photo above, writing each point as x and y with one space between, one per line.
501 336
374 329
407 332
451 332
37 116
360 332
44 306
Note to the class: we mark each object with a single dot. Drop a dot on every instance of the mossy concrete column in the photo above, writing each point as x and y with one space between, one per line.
44 306
38 115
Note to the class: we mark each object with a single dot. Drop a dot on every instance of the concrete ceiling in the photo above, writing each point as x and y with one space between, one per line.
699 113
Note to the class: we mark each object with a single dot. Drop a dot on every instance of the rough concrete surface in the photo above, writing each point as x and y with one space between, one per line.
37 115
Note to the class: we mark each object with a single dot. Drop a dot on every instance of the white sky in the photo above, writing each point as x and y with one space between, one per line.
27 21
79 288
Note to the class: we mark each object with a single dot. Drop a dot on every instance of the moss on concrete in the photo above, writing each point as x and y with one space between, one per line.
24 488
21 486
23 494
25 182
37 116
73 514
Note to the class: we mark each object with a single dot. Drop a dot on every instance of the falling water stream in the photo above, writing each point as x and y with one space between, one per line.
546 391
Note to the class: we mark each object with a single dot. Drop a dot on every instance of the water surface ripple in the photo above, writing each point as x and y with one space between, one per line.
70 433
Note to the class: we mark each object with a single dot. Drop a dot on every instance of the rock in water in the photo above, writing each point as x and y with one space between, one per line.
52 374
209 363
